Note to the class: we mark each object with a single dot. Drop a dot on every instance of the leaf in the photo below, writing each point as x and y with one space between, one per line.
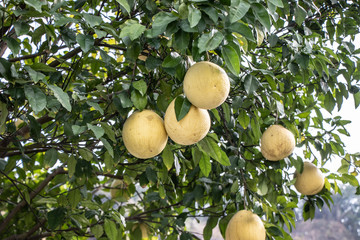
210 225
56 217
182 107
91 19
34 75
35 127
108 146
194 16
125 4
357 99
110 229
259 36
132 29
42 67
97 230
210 41
96 106
277 3
71 164
210 147
138 100
21 28
251 84
205 164
160 23
35 4
98 131
171 61
86 42
13 44
61 96
261 15
37 99
50 158
168 157
238 12
141 86
231 58
244 119
329 102
300 15
242 29
86 154
181 40
108 131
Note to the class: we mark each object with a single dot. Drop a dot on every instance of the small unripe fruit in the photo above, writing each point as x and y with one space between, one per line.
245 225
206 85
310 181
189 130
144 134
277 143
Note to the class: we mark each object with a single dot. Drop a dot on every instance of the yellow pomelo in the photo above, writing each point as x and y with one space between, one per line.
310 181
119 190
144 134
206 85
245 225
189 130
277 143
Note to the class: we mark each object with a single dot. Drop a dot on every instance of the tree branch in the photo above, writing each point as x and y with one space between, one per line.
27 234
20 205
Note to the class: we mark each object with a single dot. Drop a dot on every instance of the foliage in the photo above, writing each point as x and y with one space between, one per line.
74 70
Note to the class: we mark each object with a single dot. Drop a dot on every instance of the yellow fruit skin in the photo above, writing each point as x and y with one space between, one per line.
189 130
144 134
206 85
119 190
310 181
245 225
277 143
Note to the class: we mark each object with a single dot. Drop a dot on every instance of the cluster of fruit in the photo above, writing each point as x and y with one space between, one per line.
206 86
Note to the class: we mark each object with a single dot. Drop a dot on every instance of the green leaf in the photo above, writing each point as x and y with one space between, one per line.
171 61
96 106
277 3
300 15
108 131
35 4
61 96
244 119
210 147
141 86
97 230
357 99
98 131
160 23
125 4
21 28
261 15
86 154
56 217
350 179
51 157
34 75
91 19
238 12
205 164
274 231
329 102
13 44
251 84
242 29
74 197
231 58
210 41
78 129
182 107
110 229
42 67
168 157
37 99
132 29
108 146
194 16
71 164
86 42
138 100
35 127
181 40
255 129
210 225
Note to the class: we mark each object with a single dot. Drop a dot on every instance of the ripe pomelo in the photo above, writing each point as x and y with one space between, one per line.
189 130
310 181
277 143
206 85
144 134
245 225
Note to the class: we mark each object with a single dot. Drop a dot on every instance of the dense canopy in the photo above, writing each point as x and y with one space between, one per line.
71 73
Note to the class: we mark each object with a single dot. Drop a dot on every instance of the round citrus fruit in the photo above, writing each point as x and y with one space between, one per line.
144 134
310 181
206 85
